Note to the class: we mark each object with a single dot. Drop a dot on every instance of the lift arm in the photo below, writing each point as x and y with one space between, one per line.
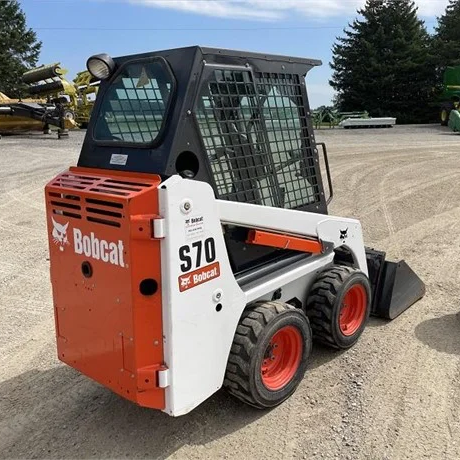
332 231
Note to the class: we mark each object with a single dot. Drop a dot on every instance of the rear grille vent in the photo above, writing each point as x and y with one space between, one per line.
110 191
74 181
110 204
131 184
105 209
60 212
119 187
64 195
98 220
99 184
65 205
104 212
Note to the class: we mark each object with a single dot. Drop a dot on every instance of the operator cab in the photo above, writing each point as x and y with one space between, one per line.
239 121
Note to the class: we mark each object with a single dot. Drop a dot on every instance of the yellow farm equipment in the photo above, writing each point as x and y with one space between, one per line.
53 101
86 90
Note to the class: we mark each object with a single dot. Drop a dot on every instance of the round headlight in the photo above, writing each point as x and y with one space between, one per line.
100 66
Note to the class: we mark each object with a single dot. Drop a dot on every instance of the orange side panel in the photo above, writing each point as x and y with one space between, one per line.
277 240
106 279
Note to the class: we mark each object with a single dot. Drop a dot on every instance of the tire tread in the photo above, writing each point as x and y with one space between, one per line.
252 324
321 302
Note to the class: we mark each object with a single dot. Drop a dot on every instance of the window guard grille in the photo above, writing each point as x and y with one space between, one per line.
255 134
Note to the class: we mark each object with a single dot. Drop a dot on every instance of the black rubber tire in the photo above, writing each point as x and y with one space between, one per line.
445 108
325 302
258 324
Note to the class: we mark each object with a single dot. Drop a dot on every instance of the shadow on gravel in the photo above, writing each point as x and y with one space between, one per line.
430 126
321 355
375 321
441 334
60 414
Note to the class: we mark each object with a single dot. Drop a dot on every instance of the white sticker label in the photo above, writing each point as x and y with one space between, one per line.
118 159
194 226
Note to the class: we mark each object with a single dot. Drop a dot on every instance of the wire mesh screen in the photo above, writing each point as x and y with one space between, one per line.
134 107
256 138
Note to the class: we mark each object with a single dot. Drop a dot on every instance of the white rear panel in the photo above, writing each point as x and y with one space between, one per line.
197 338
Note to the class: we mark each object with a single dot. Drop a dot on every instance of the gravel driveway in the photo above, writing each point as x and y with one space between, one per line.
395 395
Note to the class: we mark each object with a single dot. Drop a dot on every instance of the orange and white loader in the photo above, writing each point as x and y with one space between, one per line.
191 246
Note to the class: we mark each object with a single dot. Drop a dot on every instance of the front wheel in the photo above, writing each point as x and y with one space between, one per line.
269 354
338 306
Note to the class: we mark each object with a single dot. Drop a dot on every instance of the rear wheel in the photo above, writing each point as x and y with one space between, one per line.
445 112
338 306
269 354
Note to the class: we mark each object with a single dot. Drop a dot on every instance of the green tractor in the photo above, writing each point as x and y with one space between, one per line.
450 97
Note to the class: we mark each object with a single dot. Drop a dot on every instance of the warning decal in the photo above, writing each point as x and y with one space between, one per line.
194 227
200 276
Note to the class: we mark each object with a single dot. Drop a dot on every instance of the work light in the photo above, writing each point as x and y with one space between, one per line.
100 66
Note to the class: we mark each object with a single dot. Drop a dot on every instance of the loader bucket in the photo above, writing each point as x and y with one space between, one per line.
395 286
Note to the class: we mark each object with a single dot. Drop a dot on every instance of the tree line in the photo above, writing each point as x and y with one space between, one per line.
387 63
19 48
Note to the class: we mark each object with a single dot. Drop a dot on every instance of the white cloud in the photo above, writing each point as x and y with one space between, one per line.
430 8
275 10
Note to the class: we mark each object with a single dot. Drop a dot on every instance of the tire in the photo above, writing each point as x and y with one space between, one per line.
268 330
444 115
69 114
338 306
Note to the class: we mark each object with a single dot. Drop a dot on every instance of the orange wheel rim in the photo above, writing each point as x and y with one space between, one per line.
353 310
282 358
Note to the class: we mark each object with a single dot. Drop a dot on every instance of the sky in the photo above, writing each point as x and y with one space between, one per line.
73 30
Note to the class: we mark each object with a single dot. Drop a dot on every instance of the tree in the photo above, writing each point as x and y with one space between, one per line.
446 43
19 48
383 65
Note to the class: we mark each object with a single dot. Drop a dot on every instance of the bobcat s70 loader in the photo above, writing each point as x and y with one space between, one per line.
191 246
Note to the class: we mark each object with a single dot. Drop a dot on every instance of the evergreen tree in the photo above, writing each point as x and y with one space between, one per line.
19 48
446 42
383 63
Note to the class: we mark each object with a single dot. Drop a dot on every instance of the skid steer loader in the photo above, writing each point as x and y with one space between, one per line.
191 247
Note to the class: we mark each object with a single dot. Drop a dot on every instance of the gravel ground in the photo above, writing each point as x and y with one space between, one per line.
395 395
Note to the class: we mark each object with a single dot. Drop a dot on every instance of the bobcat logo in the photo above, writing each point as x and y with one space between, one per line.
59 234
344 234
185 282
